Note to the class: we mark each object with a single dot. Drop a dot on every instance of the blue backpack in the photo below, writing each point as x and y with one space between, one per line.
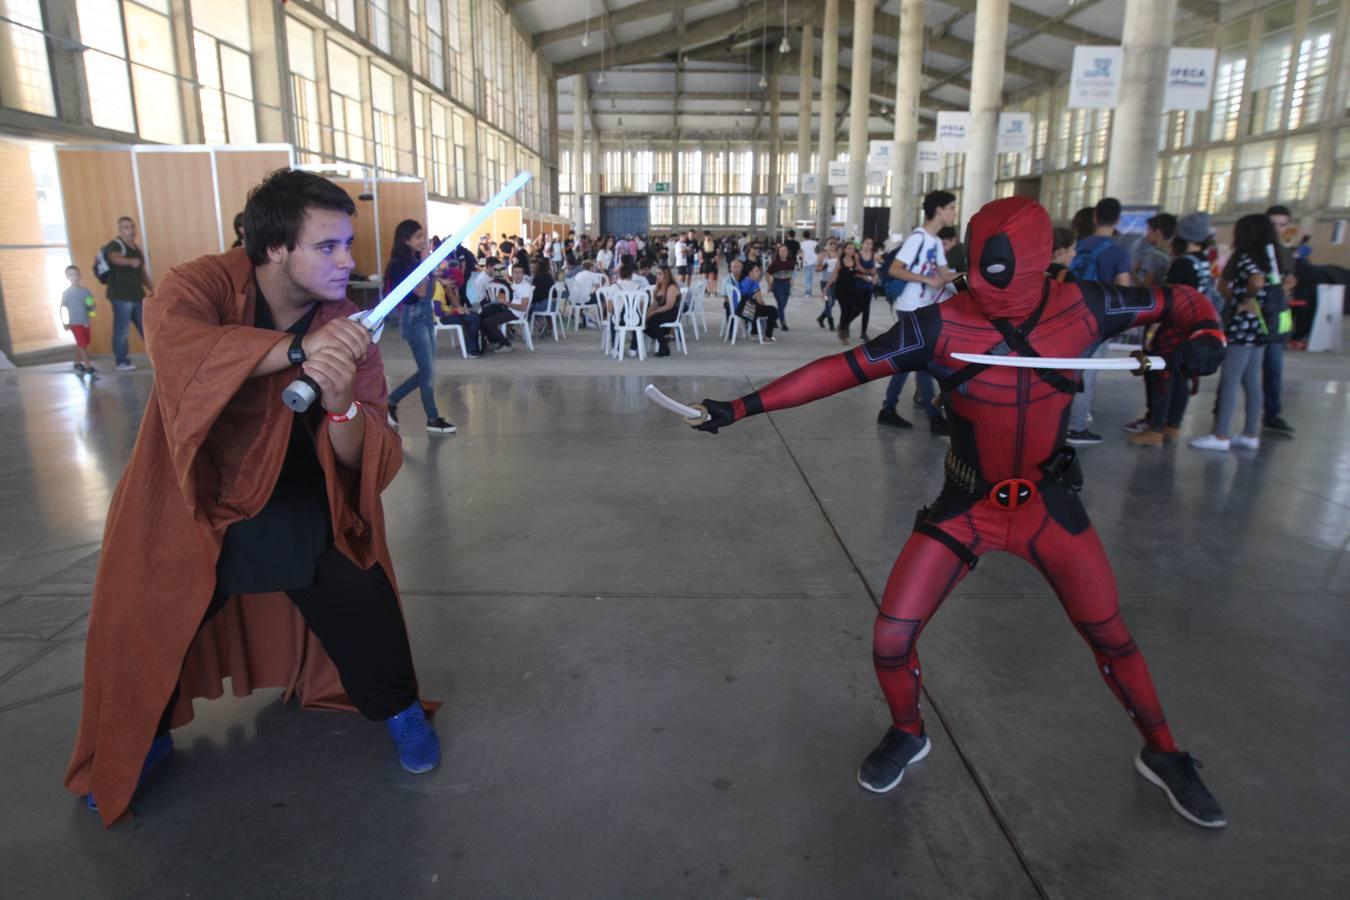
1084 265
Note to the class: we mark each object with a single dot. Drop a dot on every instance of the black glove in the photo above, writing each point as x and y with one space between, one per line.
719 416
1201 355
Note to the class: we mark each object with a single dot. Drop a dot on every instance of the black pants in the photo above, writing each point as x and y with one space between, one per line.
1169 393
653 328
355 615
490 323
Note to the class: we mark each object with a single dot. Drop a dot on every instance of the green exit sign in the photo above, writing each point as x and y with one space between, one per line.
661 187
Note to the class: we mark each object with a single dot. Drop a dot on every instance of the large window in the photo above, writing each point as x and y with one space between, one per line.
441 158
154 70
341 11
1255 166
740 166
1232 77
221 43
1340 176
1216 172
661 207
1270 77
382 112
379 23
1311 71
463 183
344 97
1173 173
304 89
1296 166
25 76
105 67
691 175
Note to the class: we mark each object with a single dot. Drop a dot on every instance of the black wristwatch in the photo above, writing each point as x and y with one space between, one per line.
297 353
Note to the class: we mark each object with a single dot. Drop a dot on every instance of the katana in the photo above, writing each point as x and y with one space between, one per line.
301 393
1138 363
694 415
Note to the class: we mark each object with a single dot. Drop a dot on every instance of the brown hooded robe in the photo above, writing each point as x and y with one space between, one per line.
210 448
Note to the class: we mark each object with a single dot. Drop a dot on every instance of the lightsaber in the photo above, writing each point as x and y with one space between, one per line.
694 415
1137 363
301 393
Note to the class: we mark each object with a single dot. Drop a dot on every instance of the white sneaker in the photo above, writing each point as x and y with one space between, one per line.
125 367
1210 442
1246 443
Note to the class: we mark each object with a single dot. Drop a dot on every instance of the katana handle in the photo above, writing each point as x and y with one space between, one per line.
300 394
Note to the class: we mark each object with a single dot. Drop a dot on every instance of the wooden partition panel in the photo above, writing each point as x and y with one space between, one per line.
401 200
237 172
364 249
178 200
97 188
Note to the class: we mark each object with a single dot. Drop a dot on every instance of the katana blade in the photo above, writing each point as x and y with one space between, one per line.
1118 364
654 394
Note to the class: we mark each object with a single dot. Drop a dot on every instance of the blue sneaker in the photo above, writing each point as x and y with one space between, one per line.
161 748
419 750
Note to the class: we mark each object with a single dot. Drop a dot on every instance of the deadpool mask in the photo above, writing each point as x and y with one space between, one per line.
1008 244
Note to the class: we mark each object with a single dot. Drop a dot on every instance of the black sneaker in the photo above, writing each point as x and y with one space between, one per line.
439 426
1175 774
1084 437
1278 425
938 425
888 416
885 766
392 412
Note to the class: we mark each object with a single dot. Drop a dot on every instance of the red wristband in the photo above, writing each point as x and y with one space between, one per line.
348 415
1212 332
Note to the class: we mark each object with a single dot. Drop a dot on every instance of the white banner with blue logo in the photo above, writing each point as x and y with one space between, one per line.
1014 132
1095 82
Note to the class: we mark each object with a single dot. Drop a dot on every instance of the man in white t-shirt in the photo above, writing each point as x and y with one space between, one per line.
584 285
808 259
916 276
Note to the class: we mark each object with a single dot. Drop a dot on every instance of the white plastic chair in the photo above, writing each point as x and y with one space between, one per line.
456 333
552 311
629 318
695 310
734 323
497 293
605 298
581 309
678 327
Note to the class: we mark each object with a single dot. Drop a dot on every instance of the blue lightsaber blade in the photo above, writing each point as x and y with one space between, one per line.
301 393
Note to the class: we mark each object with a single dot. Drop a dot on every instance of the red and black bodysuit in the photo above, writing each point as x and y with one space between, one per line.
1011 482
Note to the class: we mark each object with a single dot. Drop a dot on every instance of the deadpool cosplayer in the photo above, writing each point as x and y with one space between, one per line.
1011 482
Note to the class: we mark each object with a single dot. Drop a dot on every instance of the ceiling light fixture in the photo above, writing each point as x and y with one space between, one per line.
786 46
586 38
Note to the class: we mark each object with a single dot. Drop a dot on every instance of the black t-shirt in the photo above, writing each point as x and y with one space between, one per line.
794 248
1182 271
1059 273
279 548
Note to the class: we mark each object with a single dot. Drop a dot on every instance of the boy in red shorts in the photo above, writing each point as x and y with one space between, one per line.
77 307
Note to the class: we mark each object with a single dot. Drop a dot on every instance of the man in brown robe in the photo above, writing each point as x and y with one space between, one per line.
244 540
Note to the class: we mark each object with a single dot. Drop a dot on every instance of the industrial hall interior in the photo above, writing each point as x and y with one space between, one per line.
524 449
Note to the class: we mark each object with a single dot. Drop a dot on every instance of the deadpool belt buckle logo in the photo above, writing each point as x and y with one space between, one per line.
1013 493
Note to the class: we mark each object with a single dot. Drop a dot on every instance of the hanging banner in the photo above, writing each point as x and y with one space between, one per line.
810 182
761 202
837 174
1014 132
881 152
877 172
952 131
1095 82
1190 77
789 187
929 157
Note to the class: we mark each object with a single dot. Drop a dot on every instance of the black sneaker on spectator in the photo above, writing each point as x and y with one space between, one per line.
1084 437
885 766
439 426
888 416
1176 774
1278 425
938 425
392 415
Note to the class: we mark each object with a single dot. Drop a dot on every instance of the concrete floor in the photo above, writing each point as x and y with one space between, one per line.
657 671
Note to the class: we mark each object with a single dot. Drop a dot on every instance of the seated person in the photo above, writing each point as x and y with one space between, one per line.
585 283
450 309
735 269
750 299
629 281
542 282
645 271
522 291
491 314
665 310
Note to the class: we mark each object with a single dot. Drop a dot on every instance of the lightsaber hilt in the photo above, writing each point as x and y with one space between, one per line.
301 393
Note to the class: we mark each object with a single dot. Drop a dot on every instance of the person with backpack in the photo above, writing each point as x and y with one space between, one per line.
914 275
1245 283
1097 258
1280 322
120 265
1167 393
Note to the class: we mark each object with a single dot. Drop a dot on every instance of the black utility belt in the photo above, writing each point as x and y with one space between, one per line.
1060 470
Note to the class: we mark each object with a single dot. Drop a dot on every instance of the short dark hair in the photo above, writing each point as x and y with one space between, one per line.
1106 212
1062 239
1084 222
75 269
947 233
122 219
1279 209
276 209
935 201
1165 224
625 271
753 267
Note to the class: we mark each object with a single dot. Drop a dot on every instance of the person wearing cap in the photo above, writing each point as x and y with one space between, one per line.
1167 394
